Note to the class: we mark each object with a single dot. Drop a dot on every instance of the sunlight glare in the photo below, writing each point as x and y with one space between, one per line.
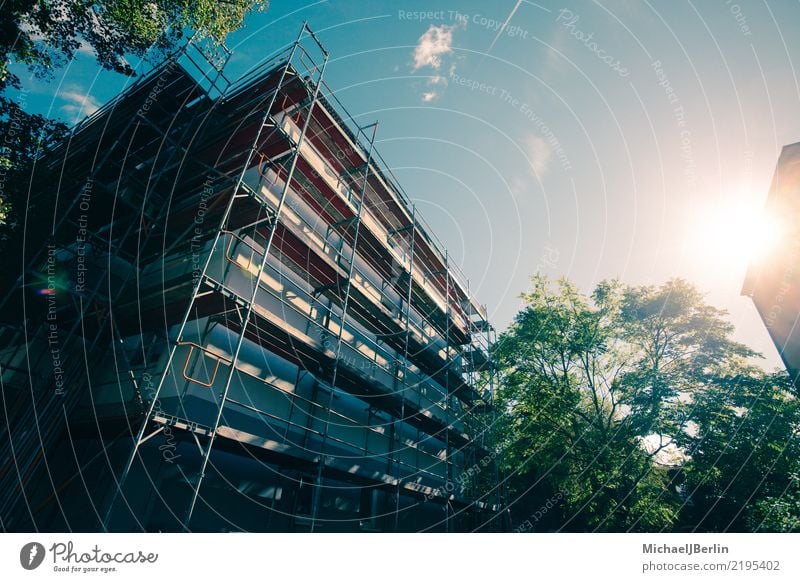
733 236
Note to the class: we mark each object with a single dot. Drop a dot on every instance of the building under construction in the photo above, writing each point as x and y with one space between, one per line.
238 321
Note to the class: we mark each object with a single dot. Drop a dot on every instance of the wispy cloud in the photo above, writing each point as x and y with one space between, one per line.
436 84
539 154
78 104
437 41
431 50
518 185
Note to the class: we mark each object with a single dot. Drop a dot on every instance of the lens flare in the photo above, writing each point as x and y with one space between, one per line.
734 236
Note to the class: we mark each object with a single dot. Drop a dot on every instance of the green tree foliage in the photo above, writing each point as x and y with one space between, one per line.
613 405
25 135
745 455
778 514
43 34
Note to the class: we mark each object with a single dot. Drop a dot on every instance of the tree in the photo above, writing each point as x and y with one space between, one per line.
29 134
745 454
596 393
40 35
778 514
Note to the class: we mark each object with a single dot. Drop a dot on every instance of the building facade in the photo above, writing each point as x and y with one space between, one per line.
240 322
773 281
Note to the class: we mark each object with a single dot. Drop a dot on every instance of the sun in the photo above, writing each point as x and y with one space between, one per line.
743 234
736 234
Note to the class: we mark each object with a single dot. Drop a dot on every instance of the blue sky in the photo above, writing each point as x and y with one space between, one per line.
589 139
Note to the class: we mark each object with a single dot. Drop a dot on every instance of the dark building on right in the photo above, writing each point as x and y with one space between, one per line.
773 281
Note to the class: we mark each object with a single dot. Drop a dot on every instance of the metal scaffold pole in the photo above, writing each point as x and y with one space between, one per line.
262 266
496 474
265 122
405 349
448 465
473 425
345 304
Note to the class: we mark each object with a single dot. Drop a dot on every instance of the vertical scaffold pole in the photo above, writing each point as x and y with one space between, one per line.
345 304
448 461
267 247
473 423
405 354
491 340
140 436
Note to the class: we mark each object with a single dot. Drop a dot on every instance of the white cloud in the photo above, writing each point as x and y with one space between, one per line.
433 94
431 50
518 185
77 104
437 41
538 153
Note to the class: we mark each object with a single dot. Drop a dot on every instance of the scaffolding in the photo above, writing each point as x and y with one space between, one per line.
78 180
281 317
